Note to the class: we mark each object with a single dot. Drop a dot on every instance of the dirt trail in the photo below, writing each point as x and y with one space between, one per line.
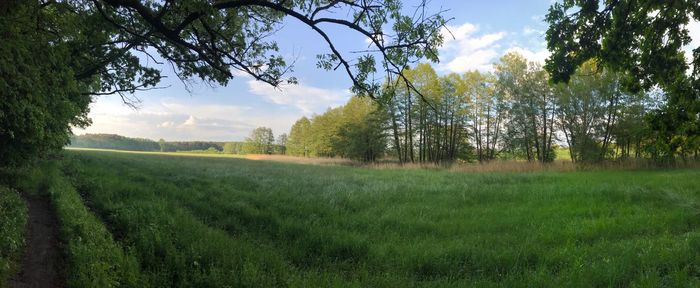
42 262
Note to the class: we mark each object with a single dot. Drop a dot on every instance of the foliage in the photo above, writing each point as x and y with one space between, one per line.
281 144
13 219
517 113
530 126
298 143
361 135
173 146
644 41
40 97
233 147
261 141
118 142
113 141
56 55
355 130
474 116
593 110
256 223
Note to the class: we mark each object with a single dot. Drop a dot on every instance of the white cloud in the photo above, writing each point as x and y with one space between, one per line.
175 120
473 61
468 51
308 99
186 119
527 30
534 56
166 124
202 110
190 122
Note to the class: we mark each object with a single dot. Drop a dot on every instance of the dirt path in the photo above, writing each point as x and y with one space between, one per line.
42 262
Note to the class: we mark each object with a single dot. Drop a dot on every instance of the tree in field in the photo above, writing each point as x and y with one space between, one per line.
162 145
299 140
632 132
449 120
361 134
233 148
643 41
589 109
282 143
485 113
410 114
355 130
260 141
324 133
57 55
530 127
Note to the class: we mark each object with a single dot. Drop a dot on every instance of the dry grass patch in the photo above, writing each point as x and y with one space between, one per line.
302 160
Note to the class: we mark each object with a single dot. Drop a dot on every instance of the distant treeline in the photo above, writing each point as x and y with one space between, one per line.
113 141
118 142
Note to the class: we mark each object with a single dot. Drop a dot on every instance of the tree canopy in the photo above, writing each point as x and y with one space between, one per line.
645 42
57 55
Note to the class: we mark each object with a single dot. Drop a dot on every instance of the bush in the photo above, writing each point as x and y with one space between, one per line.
13 218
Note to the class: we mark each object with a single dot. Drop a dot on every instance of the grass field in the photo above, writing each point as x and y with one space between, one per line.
226 222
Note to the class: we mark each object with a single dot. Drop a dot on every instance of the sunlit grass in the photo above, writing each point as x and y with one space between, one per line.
234 222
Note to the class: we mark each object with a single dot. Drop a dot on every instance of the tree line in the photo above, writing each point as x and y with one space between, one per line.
257 143
513 112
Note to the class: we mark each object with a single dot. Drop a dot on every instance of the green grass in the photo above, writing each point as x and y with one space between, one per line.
222 222
13 218
94 258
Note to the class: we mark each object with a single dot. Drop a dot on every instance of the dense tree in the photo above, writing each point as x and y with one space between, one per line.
299 140
161 144
485 113
361 135
531 107
642 40
40 97
355 130
415 116
112 141
56 55
233 147
281 144
590 108
516 112
324 130
260 141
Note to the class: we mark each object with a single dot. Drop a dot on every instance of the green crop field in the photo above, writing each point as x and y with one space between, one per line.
226 222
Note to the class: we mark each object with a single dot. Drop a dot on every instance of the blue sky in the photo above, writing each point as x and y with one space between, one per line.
483 31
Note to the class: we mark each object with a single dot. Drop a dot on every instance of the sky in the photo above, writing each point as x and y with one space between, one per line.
481 32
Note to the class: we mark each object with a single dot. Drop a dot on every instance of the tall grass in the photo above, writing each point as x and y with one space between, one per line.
216 222
94 259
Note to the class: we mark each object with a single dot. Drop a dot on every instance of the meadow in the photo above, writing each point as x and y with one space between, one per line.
165 221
